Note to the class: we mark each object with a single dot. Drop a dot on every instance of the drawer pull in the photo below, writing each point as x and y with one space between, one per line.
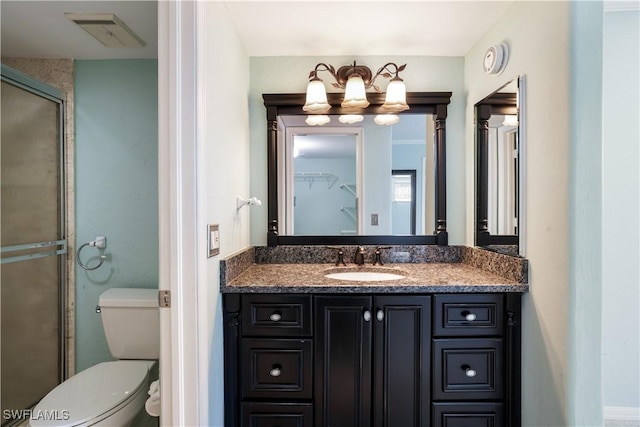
275 317
380 315
469 317
367 315
469 372
275 372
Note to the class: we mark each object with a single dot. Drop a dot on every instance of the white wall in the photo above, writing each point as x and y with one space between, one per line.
620 237
223 173
539 39
290 75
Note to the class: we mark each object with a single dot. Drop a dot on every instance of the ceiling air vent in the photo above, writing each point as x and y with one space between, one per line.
107 28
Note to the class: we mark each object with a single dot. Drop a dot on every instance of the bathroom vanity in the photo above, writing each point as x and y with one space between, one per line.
437 347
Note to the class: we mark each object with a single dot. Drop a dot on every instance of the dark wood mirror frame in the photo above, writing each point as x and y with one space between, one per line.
434 103
498 103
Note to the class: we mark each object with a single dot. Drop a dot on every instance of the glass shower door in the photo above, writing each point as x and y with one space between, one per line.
33 251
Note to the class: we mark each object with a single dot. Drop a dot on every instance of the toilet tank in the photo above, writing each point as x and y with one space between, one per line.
131 322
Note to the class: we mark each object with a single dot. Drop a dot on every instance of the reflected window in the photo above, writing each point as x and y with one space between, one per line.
402 188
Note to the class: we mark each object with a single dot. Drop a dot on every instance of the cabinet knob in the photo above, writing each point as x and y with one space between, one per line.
380 315
275 372
469 372
367 316
275 317
469 317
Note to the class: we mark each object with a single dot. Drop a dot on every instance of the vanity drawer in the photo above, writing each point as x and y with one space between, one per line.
277 368
468 315
276 315
468 415
277 415
468 369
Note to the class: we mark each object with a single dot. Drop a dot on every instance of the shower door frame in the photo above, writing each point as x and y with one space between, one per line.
38 88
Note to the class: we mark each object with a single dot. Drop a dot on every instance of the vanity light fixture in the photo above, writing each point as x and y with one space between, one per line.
356 79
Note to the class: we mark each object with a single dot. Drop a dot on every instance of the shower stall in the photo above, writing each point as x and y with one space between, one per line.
33 240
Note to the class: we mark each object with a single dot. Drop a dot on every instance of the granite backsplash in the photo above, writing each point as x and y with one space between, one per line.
512 268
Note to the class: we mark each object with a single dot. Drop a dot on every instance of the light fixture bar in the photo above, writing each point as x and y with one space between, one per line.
355 80
108 29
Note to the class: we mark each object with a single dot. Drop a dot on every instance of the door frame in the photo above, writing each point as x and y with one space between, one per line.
286 169
178 266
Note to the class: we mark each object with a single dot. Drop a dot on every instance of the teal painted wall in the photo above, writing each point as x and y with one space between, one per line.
116 185
584 392
621 213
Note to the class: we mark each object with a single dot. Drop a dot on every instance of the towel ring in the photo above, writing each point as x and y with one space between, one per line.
81 264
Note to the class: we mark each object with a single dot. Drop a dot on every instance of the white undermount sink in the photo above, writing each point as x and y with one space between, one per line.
364 276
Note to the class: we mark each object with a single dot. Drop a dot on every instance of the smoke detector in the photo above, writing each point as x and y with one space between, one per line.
107 28
495 58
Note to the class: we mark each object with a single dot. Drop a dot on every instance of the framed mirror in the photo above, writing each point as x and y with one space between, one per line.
499 151
358 183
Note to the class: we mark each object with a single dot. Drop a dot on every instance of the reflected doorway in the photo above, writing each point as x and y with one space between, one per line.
403 203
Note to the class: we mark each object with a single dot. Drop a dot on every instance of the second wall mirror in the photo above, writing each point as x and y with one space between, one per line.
500 178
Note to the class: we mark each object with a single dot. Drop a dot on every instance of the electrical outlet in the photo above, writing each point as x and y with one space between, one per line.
374 219
213 240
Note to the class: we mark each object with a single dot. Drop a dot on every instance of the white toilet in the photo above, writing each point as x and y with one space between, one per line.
110 393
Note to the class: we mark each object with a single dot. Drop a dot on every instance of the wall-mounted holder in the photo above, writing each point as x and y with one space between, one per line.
253 201
100 242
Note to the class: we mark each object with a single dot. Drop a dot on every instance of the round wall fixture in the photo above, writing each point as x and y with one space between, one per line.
495 58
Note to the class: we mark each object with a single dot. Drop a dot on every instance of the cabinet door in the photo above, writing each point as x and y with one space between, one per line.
402 328
343 361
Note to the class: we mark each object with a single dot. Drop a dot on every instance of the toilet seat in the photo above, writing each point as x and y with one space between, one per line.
93 394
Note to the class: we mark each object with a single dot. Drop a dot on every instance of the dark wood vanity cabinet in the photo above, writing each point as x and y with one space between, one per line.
370 354
372 360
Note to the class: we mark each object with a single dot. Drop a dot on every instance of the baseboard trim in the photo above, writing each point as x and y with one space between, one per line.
621 413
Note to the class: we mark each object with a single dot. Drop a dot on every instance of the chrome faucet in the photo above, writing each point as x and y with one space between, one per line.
358 258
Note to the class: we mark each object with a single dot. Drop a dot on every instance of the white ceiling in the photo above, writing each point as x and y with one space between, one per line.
297 28
38 29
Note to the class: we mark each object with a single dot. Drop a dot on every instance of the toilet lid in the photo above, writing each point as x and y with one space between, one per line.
91 393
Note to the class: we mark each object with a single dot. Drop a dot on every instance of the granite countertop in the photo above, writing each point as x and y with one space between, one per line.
453 277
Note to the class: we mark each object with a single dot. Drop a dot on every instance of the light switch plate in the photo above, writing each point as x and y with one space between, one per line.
213 240
374 219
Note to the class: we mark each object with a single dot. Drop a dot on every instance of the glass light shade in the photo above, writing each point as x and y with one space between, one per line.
354 94
386 119
350 118
510 120
316 97
396 98
317 120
